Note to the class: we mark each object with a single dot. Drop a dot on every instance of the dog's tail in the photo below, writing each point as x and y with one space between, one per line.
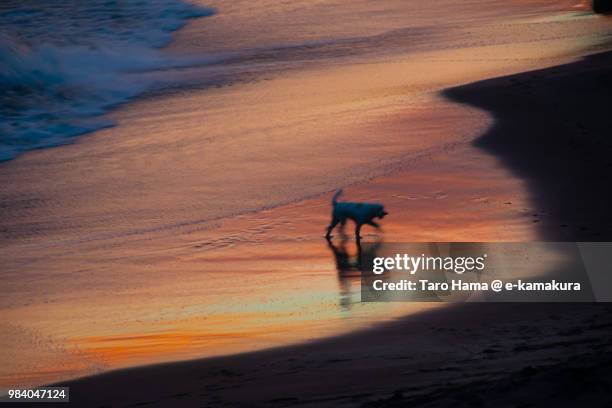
335 198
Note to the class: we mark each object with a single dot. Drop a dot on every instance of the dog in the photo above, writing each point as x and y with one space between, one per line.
360 213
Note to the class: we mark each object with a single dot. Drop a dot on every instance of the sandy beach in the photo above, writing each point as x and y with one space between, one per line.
462 355
465 355
193 228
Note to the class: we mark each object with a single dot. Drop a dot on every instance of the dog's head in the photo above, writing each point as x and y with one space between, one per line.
381 212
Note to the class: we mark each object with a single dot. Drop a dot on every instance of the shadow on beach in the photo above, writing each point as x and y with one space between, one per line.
552 129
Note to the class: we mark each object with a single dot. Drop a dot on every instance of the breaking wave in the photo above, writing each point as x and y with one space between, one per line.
64 63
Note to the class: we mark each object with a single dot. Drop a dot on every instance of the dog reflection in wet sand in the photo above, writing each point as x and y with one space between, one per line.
360 213
350 267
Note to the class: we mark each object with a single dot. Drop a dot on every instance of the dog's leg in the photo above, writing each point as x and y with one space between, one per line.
358 230
342 225
332 224
374 224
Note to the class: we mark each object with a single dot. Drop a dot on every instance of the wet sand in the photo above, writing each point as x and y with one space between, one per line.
194 228
463 355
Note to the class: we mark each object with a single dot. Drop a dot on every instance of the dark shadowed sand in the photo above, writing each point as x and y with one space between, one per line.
551 129
471 355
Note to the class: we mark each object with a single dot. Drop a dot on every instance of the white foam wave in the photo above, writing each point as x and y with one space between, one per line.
54 87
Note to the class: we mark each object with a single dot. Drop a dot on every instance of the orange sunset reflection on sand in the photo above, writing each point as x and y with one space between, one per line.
194 228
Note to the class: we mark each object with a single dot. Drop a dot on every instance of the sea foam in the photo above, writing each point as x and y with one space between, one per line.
64 63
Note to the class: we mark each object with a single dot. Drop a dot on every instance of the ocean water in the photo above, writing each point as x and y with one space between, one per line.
64 63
